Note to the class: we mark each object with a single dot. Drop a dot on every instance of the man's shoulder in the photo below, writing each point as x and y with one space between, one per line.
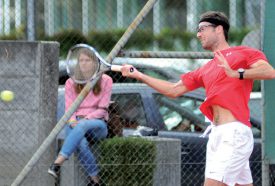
243 48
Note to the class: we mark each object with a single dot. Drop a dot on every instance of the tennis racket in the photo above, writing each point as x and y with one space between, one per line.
84 63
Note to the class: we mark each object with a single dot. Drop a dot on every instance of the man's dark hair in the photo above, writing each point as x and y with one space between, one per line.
217 18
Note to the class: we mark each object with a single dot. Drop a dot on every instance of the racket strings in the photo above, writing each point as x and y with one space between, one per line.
84 65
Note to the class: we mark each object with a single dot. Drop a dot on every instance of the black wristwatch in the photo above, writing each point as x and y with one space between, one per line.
241 72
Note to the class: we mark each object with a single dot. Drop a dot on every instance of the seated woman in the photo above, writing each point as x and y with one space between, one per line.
89 119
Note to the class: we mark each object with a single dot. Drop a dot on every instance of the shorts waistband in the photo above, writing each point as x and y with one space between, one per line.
211 126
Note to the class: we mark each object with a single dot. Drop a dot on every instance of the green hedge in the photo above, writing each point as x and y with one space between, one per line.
236 35
167 37
127 161
98 39
67 39
141 39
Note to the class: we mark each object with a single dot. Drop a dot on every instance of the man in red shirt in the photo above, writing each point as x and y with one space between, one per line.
228 80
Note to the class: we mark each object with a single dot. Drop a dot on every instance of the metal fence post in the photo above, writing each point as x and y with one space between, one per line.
31 22
268 130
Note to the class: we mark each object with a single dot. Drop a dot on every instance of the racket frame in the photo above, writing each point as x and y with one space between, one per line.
102 67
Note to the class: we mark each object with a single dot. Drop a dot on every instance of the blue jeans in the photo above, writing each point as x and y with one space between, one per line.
76 141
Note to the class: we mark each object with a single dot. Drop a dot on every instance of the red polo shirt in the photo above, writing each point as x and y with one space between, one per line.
230 93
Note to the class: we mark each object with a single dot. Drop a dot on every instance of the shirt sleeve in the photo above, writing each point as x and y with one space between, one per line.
256 55
104 101
69 97
193 80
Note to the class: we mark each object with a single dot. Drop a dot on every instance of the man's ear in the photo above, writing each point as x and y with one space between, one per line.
219 28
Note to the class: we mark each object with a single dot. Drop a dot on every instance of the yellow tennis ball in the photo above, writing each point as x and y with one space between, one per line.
7 95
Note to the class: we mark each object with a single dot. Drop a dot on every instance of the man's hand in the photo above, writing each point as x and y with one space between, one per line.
224 64
130 71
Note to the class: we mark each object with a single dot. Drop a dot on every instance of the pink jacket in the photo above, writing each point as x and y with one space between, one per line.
92 106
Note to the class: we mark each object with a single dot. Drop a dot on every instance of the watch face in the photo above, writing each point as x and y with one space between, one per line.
240 70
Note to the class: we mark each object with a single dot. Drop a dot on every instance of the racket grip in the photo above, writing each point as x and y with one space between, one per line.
116 68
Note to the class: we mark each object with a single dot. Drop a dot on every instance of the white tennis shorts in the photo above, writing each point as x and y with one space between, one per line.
228 150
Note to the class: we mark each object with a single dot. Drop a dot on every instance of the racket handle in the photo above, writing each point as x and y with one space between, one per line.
116 68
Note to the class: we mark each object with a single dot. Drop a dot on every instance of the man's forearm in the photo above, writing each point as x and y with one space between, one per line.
261 72
164 87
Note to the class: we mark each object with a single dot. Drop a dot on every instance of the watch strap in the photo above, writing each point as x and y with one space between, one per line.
241 75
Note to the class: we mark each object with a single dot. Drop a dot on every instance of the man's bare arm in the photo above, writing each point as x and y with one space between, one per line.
259 70
166 88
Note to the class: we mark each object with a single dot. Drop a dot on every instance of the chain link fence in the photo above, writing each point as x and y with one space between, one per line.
164 45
